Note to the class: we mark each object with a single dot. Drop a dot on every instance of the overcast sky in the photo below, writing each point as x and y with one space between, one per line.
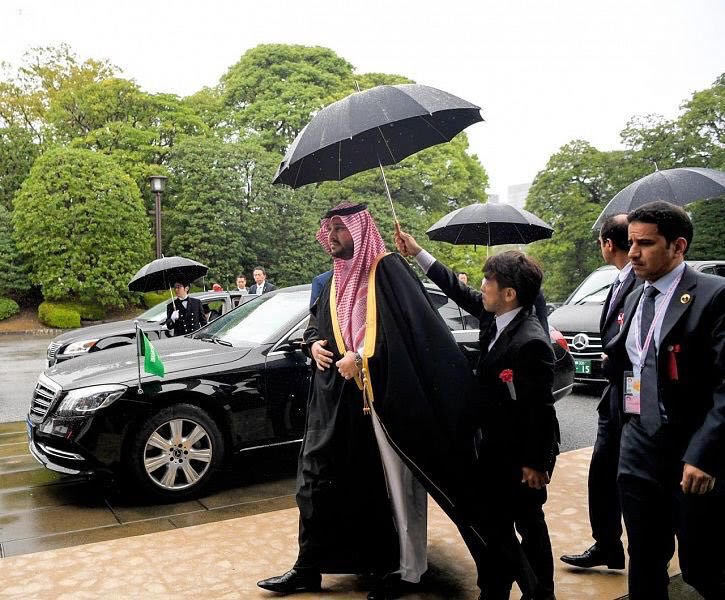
544 72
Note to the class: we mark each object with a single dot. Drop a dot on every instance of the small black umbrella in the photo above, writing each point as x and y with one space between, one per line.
376 127
489 225
162 273
676 186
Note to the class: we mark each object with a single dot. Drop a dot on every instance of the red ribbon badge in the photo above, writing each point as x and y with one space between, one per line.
672 362
507 375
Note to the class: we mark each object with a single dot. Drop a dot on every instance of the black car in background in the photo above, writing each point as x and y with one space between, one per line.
95 338
237 384
578 318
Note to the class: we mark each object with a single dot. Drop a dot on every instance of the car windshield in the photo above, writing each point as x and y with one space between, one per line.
258 320
155 314
594 288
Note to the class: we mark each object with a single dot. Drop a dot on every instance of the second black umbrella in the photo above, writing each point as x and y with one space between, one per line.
489 225
162 273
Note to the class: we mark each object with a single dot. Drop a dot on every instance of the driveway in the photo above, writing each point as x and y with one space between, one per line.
22 358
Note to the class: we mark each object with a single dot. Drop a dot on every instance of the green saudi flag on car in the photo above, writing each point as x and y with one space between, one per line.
152 363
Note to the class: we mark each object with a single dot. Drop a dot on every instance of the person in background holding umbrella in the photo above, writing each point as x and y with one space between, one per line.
520 429
668 365
605 514
184 315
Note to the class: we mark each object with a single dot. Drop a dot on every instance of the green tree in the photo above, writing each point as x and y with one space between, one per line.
80 223
17 154
275 88
14 279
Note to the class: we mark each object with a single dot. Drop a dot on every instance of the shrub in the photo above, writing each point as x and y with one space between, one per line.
151 299
58 315
87 310
8 308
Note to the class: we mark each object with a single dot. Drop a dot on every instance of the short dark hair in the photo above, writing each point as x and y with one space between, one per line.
259 268
241 275
672 221
615 229
463 273
515 270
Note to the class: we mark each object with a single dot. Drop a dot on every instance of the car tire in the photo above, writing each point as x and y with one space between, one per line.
175 453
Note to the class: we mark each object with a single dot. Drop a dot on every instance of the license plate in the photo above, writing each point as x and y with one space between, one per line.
583 367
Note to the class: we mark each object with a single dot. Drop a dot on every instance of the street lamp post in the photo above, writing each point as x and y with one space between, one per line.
158 183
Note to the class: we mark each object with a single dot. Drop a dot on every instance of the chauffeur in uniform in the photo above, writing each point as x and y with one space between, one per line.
184 315
605 514
668 363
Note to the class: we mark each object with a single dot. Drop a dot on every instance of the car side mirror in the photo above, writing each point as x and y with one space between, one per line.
293 343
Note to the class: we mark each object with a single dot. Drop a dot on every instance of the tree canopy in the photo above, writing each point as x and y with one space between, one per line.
80 223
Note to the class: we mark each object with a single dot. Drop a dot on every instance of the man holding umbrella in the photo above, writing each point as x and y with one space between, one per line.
184 315
518 420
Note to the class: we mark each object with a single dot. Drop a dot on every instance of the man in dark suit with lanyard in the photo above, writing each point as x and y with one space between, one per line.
184 315
668 362
605 514
520 430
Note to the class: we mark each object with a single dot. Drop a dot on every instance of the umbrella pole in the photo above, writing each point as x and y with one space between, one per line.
387 191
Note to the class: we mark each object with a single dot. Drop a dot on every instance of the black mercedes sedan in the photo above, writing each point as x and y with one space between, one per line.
94 338
239 383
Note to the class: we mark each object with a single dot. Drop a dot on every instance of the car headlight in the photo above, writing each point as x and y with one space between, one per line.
79 347
89 399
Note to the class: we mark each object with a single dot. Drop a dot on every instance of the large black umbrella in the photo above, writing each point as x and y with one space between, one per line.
676 186
376 127
489 225
162 273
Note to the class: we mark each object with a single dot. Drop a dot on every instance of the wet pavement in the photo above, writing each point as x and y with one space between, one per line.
42 510
22 358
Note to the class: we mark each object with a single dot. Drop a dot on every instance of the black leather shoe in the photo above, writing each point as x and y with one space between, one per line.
392 586
596 556
293 581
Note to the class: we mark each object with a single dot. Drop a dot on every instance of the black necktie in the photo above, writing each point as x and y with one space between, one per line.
487 337
649 397
613 296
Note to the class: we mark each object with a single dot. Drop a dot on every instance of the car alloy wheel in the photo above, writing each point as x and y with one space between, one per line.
178 454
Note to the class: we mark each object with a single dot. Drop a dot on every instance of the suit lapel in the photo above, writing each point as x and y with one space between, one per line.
624 290
603 318
503 340
677 307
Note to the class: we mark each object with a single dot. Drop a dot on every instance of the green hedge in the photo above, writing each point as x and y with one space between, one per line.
60 316
151 299
87 310
8 308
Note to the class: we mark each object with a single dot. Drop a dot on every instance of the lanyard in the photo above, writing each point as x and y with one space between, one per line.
642 350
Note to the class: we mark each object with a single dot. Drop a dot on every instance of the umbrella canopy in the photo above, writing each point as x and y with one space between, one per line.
489 225
162 273
379 126
676 186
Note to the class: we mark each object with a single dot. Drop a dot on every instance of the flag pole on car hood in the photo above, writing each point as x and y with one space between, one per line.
138 357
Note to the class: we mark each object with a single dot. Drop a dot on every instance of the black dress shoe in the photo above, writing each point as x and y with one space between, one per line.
293 581
596 556
392 586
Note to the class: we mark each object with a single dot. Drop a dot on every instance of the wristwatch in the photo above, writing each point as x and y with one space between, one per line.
358 361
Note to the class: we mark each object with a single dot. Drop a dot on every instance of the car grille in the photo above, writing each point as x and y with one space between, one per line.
45 393
584 345
52 351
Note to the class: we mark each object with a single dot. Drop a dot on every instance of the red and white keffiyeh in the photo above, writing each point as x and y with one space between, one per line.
351 276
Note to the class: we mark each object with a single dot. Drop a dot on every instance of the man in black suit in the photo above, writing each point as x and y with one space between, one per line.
184 314
520 430
605 514
261 286
668 362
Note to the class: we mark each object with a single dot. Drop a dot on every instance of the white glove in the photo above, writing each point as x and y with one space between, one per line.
175 315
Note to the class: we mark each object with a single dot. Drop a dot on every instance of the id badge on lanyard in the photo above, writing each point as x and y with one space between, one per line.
632 386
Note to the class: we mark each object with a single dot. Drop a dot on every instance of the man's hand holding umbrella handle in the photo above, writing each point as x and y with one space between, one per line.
696 481
348 365
322 357
175 315
405 243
